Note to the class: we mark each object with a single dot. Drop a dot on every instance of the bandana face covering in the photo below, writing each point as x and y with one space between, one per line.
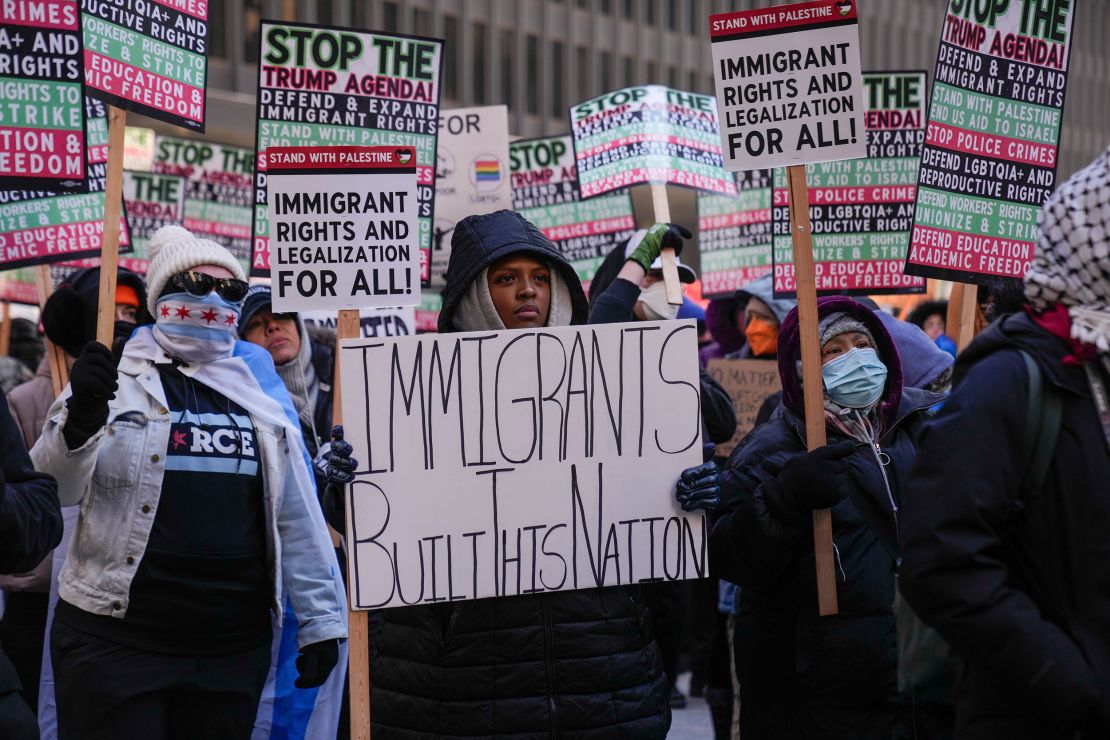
196 329
855 380
653 299
763 337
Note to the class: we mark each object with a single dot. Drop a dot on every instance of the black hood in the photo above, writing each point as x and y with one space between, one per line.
479 241
1019 331
69 316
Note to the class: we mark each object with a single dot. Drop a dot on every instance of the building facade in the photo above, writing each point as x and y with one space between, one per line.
540 56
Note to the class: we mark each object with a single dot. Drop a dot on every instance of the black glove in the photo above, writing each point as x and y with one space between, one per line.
315 663
339 465
699 488
93 380
809 481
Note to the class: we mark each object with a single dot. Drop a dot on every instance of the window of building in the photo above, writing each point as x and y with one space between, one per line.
505 67
606 71
693 82
629 72
478 71
606 6
693 17
324 13
531 75
389 16
584 3
672 77
582 73
629 11
649 12
252 14
652 74
450 56
217 29
558 103
672 15
422 23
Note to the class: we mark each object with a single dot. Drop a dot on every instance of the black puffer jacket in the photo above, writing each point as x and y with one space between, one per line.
1017 582
802 675
575 664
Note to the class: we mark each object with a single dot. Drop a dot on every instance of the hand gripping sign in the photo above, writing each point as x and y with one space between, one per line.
343 227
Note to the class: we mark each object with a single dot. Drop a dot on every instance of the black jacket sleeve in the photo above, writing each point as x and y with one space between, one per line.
30 517
960 499
616 303
717 413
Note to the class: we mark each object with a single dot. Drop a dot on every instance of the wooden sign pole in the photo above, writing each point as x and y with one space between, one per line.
6 329
109 250
962 307
662 211
358 641
802 237
55 356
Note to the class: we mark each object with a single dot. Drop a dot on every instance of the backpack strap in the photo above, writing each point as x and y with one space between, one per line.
1042 427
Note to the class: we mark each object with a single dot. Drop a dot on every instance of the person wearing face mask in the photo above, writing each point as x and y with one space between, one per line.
198 515
802 675
581 664
762 315
69 319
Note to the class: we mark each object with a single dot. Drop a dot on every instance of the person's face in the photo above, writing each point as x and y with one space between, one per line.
650 279
844 343
934 326
127 312
757 309
520 287
276 333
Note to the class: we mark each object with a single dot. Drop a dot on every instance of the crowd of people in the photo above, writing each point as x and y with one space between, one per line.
168 523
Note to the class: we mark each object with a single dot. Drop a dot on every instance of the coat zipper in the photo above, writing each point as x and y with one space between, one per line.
549 664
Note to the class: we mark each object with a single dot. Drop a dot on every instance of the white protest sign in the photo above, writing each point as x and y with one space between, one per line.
789 84
342 227
373 322
472 174
517 462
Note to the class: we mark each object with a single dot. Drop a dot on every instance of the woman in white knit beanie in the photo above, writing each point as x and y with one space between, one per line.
198 511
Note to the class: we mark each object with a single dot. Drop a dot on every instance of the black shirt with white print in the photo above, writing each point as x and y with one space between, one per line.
202 586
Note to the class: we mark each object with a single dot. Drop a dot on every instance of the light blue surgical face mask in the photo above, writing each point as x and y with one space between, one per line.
855 380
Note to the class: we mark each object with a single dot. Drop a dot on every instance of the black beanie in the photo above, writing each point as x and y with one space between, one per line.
69 316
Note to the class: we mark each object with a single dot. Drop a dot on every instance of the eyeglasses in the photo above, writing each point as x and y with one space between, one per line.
199 284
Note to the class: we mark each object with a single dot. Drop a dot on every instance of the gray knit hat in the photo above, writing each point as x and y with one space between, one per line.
839 323
173 249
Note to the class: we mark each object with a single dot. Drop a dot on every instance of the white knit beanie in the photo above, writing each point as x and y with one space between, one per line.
173 249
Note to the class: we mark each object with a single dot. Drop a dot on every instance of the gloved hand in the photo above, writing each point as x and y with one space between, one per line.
656 238
315 663
809 481
94 380
339 466
699 487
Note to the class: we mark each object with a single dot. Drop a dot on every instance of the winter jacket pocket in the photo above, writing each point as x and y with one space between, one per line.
118 455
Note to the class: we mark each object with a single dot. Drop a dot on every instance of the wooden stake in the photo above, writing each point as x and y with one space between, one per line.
6 329
802 237
670 268
109 251
55 355
358 640
963 330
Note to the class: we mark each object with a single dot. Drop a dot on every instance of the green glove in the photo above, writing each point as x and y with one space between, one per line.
655 240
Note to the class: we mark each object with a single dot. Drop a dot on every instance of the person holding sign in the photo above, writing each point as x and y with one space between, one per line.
802 675
569 663
198 514
1005 547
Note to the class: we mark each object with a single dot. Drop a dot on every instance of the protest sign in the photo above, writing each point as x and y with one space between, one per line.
648 134
149 57
153 201
373 322
788 84
734 235
990 154
38 227
42 120
219 193
426 313
514 462
472 177
138 148
545 191
749 383
344 225
862 209
320 86
20 286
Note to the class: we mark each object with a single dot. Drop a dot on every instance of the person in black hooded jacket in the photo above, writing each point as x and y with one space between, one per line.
1010 566
802 675
30 527
572 664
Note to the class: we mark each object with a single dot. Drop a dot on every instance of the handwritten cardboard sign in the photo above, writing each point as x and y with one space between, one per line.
495 464
749 383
